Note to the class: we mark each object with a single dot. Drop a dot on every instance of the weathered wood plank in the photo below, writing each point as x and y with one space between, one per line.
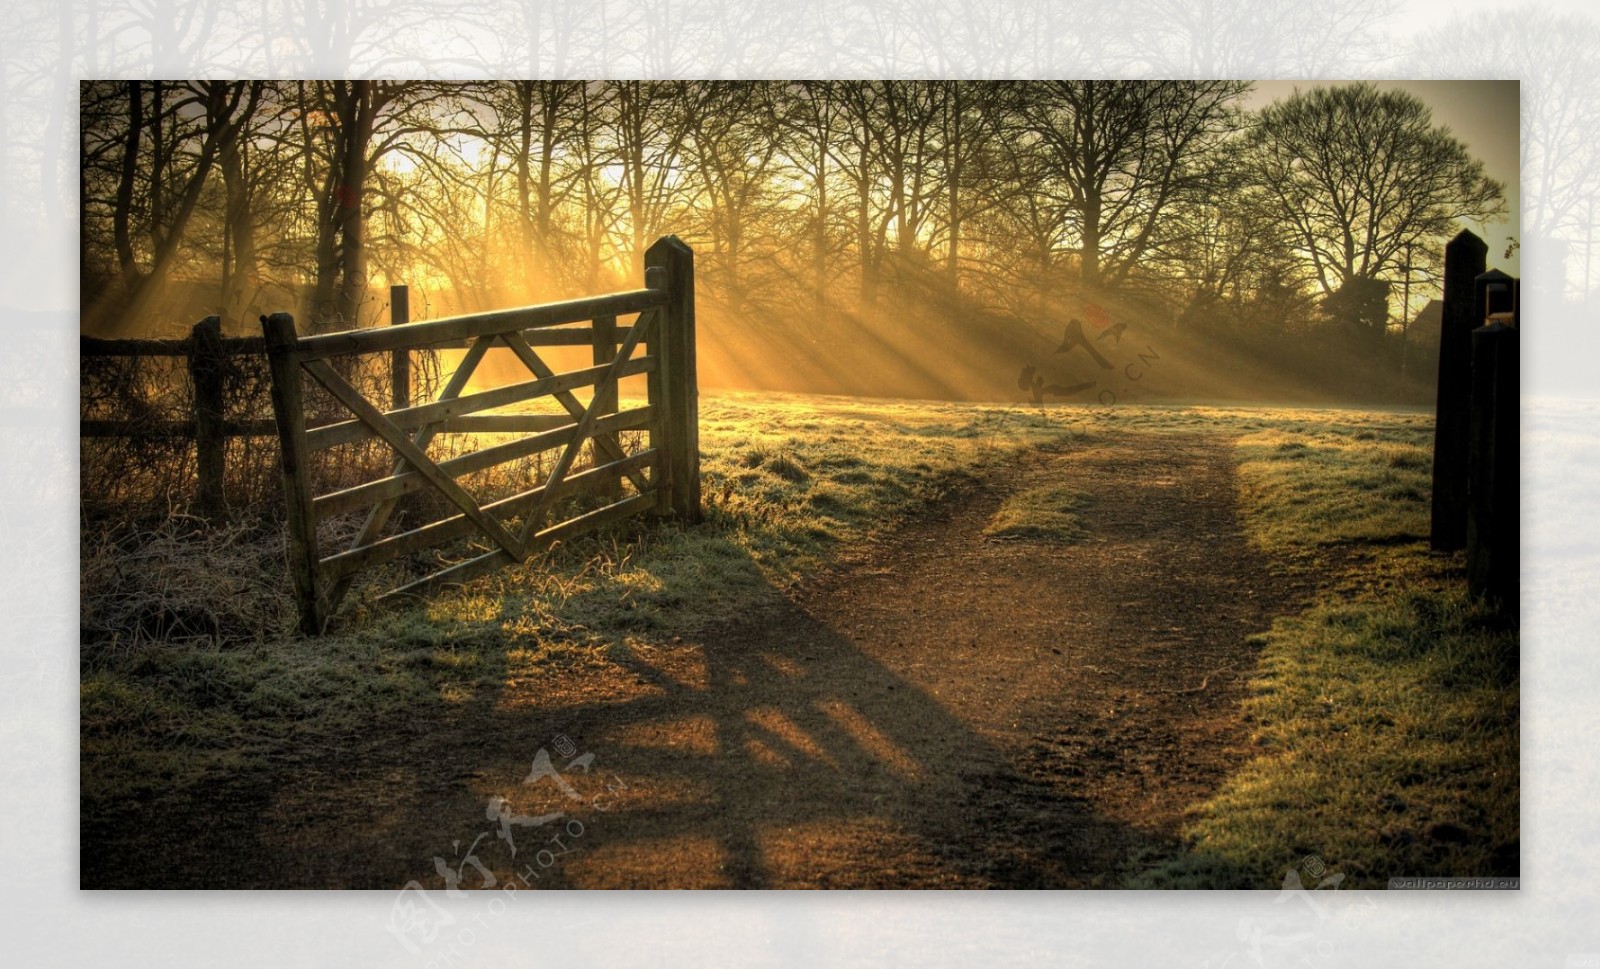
393 547
1494 503
207 362
420 415
558 336
502 423
1464 259
98 428
432 332
175 347
288 409
405 482
679 382
400 360
606 396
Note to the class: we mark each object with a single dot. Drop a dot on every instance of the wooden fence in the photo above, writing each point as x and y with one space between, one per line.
1476 463
206 354
663 477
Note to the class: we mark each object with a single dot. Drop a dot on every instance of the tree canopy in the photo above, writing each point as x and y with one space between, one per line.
1364 177
834 195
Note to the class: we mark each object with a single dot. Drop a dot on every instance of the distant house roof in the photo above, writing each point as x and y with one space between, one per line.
1427 322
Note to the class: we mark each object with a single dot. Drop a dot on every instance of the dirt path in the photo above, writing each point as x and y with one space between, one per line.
941 710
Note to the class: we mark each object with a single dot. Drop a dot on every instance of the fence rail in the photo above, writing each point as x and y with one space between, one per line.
664 476
205 352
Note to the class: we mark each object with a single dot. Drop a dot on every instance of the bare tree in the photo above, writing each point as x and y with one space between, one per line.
1361 174
732 156
1117 155
648 122
173 142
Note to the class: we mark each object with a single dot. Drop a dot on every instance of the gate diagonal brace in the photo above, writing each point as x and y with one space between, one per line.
564 463
536 365
379 516
418 459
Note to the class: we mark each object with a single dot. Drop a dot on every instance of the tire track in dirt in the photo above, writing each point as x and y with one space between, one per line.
950 710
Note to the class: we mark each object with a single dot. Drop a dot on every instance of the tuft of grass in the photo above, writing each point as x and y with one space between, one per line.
1047 513
183 580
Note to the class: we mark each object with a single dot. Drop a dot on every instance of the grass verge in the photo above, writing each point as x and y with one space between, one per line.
1385 717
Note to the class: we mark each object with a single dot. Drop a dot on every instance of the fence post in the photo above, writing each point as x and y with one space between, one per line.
675 359
1493 490
605 401
288 407
400 360
206 368
1464 260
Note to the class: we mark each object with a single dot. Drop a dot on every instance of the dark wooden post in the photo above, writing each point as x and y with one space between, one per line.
289 409
1463 261
207 364
400 360
655 278
605 401
674 349
1493 490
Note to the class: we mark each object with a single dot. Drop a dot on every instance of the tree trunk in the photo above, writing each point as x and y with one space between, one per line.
240 276
819 253
525 260
953 172
1090 258
122 215
352 236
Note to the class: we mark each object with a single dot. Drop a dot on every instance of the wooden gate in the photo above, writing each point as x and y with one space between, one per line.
664 476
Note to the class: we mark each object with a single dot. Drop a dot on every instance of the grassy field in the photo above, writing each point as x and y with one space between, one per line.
1385 717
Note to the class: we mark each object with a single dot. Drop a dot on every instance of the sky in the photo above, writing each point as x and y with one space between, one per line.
1484 115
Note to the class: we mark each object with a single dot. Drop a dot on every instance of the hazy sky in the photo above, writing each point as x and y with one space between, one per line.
1484 115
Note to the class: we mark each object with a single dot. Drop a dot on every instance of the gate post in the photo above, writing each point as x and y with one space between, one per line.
400 360
1464 260
206 365
288 407
1493 499
675 360
605 402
